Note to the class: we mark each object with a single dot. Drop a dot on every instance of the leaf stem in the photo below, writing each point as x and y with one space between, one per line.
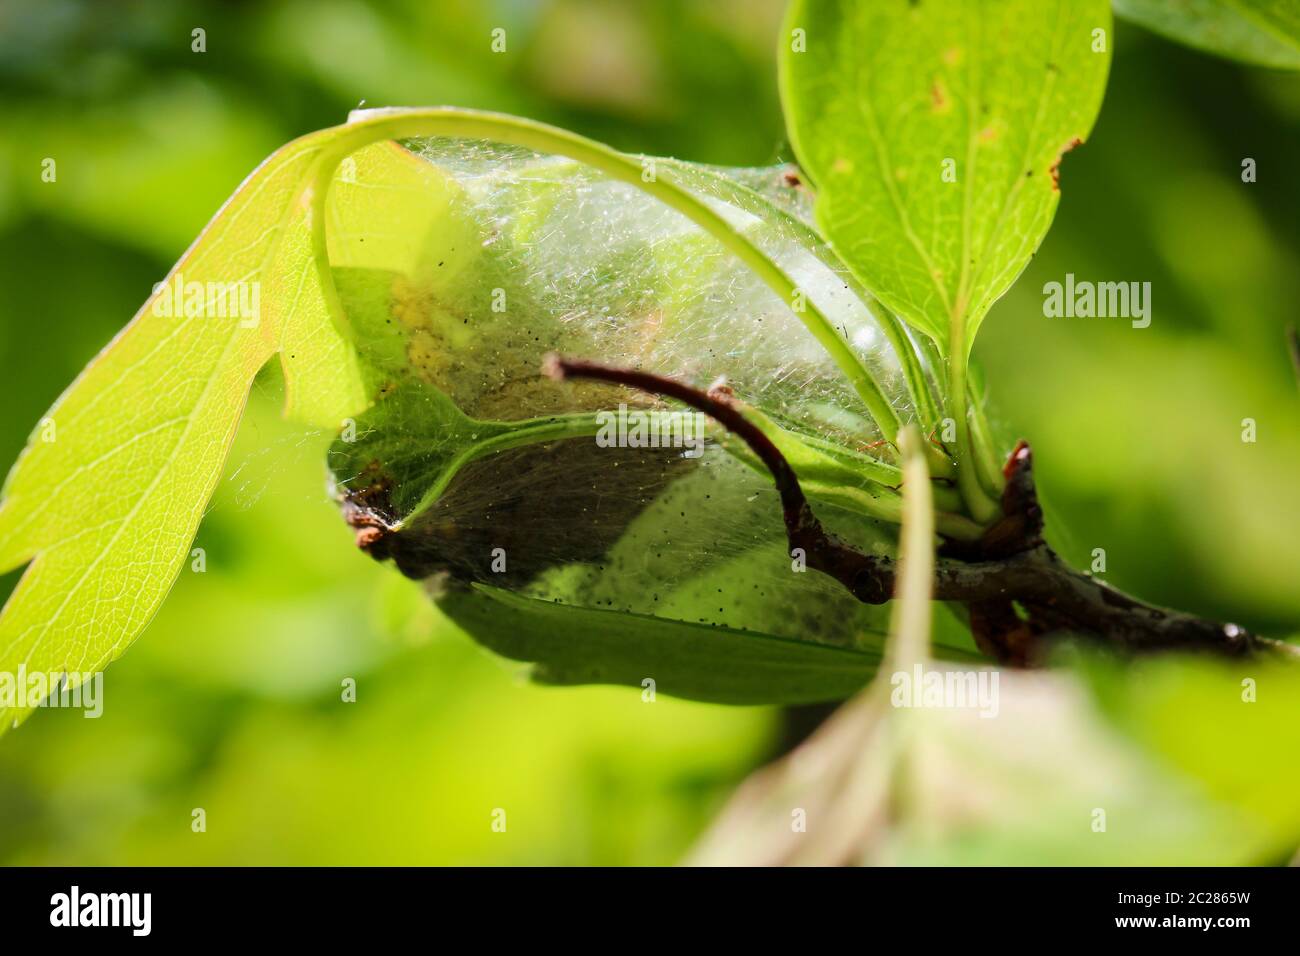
983 508
927 410
986 456
914 582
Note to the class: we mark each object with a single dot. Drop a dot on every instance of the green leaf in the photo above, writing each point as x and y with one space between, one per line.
575 645
883 98
108 494
934 133
1264 32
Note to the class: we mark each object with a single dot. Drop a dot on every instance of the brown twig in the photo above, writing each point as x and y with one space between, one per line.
868 578
1017 589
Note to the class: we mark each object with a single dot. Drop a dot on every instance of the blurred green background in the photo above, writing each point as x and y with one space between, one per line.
230 701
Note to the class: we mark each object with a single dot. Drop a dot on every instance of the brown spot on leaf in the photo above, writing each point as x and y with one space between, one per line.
1055 169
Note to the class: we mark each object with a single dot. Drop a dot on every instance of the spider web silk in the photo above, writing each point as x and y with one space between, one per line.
539 254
